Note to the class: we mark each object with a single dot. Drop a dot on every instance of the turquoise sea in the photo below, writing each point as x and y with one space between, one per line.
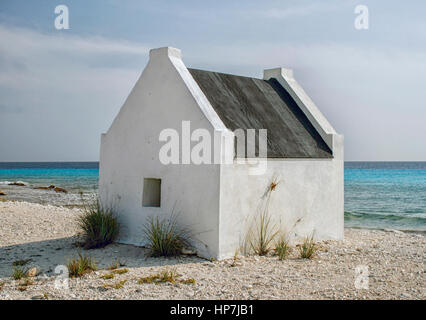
80 179
383 195
386 195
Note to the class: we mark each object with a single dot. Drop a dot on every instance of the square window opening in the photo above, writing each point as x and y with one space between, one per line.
151 192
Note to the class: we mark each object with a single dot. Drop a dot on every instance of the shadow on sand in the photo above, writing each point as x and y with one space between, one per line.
48 254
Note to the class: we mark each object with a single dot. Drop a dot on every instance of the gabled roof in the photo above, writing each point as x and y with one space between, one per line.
251 103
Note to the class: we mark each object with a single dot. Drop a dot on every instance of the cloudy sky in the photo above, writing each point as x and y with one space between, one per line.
59 89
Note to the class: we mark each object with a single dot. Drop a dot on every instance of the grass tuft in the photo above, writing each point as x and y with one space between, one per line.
120 284
263 235
165 237
19 273
120 271
161 277
308 248
99 226
282 248
262 232
165 276
80 266
115 265
188 281
117 285
108 276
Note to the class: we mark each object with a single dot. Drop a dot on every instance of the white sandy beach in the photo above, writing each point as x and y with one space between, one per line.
46 235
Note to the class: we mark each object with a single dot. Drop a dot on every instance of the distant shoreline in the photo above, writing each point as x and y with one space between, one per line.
420 232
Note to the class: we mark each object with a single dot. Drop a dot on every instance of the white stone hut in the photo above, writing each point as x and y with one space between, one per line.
217 200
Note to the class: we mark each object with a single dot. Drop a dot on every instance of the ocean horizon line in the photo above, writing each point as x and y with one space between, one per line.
348 164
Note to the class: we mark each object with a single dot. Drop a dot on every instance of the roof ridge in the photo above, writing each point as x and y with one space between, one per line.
226 74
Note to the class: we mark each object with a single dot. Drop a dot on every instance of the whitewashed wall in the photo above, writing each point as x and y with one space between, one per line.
309 189
129 153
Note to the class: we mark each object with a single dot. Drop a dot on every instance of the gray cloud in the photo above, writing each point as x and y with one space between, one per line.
69 88
56 106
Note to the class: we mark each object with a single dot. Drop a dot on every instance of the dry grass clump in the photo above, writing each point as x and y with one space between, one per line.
282 248
117 285
308 248
166 237
262 235
80 266
165 276
115 265
161 277
263 231
99 226
188 281
108 276
120 271
19 272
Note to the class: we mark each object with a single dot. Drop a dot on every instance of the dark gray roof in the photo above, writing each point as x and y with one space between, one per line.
250 103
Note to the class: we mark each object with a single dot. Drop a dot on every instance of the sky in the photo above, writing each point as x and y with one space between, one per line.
60 89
